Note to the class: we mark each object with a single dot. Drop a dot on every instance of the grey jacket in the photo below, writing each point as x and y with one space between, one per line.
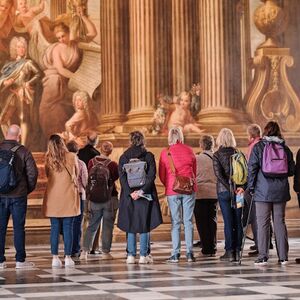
25 168
268 189
206 178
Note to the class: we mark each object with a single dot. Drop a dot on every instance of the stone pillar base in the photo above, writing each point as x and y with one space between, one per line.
212 120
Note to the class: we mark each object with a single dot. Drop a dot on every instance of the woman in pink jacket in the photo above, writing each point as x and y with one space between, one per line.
185 165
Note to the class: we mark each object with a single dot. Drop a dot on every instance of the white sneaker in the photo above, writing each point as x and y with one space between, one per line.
107 256
3 265
83 255
146 260
24 265
130 259
56 262
69 262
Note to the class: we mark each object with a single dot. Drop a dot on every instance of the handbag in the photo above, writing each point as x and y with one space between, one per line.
182 184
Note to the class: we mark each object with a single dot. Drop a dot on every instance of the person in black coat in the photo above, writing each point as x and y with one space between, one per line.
232 216
138 214
270 195
297 185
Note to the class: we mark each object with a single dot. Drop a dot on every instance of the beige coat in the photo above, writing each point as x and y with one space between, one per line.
61 197
206 179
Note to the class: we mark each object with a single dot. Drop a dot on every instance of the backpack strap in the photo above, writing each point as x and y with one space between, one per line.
207 155
105 162
14 150
171 162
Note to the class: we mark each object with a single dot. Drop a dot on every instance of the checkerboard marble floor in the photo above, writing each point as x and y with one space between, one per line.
206 279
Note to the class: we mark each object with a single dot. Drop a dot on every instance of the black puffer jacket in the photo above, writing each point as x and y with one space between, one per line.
141 215
221 162
297 173
268 189
25 168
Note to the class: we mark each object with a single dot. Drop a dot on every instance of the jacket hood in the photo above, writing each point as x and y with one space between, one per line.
274 139
135 152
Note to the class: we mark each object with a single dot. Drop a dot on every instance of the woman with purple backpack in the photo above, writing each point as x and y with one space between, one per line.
270 164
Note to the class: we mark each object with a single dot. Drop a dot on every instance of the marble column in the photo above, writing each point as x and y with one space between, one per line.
220 56
149 63
115 87
57 7
185 47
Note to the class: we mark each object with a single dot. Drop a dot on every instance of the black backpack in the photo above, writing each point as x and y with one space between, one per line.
8 177
99 187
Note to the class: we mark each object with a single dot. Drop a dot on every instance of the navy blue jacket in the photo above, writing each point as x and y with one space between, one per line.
267 189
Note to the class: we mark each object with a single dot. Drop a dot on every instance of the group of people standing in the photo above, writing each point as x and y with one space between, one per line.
70 211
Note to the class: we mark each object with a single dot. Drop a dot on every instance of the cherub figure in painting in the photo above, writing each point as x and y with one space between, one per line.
181 116
84 120
26 14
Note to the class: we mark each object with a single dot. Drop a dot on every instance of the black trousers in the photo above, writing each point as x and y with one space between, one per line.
205 212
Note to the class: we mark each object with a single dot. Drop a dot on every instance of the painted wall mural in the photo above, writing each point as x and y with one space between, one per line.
50 68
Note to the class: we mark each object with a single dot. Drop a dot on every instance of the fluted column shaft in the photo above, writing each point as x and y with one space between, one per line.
57 7
150 65
185 48
115 61
220 55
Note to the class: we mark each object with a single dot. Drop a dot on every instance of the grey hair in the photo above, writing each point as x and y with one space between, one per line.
206 142
226 138
175 136
13 46
137 138
254 130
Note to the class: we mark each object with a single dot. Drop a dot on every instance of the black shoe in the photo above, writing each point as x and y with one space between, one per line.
198 244
95 252
297 260
253 253
261 262
174 258
213 254
75 255
237 256
228 256
253 247
190 257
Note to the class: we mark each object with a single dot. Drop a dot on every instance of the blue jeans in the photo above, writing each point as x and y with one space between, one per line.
182 209
77 230
99 211
16 207
144 243
66 224
233 228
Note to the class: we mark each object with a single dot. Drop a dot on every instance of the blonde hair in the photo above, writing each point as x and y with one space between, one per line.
182 94
254 130
175 136
13 46
56 153
226 138
61 27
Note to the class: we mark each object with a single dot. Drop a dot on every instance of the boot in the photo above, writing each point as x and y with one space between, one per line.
228 256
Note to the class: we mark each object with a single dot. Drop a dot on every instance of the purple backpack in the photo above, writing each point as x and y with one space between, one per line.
274 160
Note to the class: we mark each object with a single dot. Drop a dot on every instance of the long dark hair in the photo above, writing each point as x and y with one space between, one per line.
272 129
